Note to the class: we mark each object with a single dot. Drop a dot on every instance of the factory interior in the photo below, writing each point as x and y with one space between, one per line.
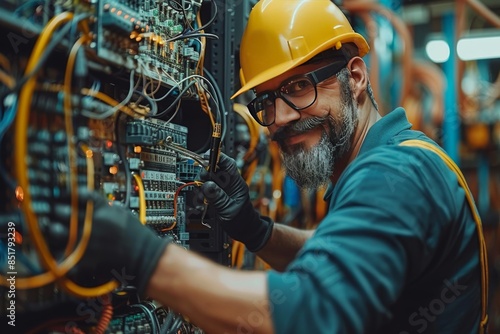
125 97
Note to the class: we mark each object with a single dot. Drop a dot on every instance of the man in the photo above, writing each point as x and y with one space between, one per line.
397 251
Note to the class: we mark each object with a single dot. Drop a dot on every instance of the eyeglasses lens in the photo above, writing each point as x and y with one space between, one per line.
298 93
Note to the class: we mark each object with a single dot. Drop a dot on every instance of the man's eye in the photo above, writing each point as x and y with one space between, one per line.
296 86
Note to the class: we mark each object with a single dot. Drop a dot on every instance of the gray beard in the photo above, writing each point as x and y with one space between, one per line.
312 168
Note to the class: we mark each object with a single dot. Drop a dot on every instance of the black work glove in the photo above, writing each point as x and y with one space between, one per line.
120 247
229 195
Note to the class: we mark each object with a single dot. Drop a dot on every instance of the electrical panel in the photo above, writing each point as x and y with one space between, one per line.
109 97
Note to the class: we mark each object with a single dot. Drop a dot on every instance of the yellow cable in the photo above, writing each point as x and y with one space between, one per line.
204 103
477 219
112 102
46 278
253 128
234 253
21 126
68 120
73 231
33 282
24 106
101 96
142 199
201 59
199 67
240 254
69 285
250 171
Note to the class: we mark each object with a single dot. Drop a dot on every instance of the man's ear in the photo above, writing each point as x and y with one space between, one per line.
359 77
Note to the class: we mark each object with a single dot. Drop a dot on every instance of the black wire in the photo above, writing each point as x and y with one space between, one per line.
165 327
150 315
185 14
176 325
196 32
182 8
174 103
222 105
212 19
192 35
123 158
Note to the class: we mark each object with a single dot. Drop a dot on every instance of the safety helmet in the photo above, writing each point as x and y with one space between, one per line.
283 34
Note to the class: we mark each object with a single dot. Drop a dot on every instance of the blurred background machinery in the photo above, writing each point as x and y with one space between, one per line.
91 91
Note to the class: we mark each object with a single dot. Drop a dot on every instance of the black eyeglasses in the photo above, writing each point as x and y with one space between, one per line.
299 92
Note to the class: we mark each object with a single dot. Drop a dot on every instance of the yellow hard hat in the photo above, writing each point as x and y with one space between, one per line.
282 34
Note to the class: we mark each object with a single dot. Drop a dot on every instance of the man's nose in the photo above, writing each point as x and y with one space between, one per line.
284 114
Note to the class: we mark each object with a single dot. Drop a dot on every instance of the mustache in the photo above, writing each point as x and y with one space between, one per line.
298 127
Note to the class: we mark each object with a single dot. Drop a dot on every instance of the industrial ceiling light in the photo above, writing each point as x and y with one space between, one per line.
476 45
481 47
438 50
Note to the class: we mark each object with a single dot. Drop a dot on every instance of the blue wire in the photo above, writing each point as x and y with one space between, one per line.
8 118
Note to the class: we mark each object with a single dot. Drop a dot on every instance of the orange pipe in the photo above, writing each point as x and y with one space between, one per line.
358 6
489 16
431 77
485 12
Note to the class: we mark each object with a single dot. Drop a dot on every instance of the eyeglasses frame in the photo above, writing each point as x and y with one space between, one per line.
316 76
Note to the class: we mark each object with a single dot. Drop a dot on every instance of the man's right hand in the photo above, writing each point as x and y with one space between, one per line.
228 193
